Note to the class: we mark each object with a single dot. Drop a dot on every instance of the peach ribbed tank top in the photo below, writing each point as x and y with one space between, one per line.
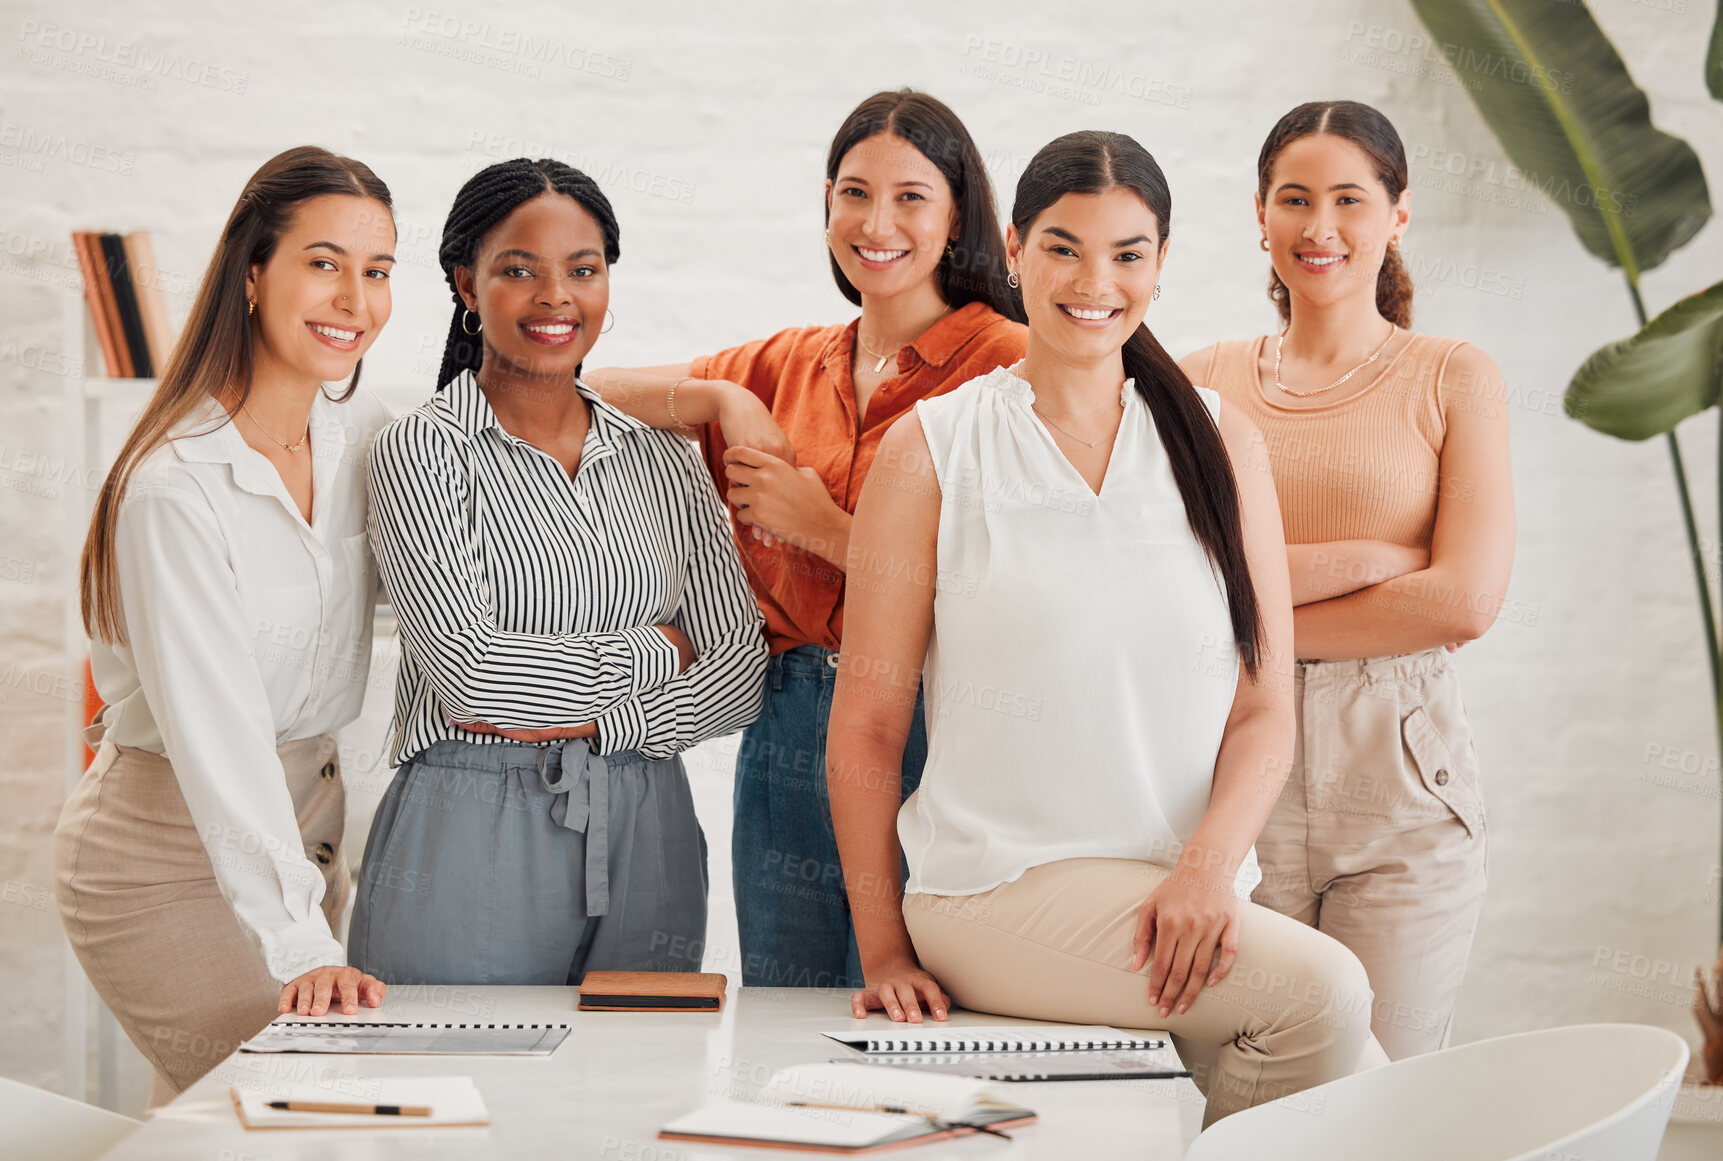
1364 467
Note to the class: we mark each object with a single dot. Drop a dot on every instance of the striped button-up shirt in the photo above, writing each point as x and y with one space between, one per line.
527 598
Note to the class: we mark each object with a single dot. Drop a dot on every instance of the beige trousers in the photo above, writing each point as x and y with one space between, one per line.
140 905
1056 944
1379 838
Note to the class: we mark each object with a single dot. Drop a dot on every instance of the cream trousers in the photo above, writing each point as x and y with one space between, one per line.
1379 837
1056 944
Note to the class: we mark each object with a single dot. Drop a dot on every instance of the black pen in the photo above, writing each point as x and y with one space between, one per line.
352 1110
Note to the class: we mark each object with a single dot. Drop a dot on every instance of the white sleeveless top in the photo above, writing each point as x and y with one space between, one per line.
1081 666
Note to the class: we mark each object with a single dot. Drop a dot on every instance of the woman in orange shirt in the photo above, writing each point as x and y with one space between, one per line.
789 426
1390 457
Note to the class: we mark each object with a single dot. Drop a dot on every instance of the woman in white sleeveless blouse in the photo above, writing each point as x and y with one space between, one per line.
1082 556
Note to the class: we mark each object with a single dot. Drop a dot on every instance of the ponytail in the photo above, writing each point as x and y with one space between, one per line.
1094 162
1203 471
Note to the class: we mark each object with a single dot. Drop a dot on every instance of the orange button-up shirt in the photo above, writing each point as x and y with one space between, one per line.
804 376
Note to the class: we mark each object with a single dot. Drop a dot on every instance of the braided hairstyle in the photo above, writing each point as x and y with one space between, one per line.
489 196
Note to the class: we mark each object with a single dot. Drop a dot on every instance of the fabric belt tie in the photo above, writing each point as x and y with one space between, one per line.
580 779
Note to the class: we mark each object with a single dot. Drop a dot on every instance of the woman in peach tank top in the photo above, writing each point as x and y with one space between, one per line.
1390 457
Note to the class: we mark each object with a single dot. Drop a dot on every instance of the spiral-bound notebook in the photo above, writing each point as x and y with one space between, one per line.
1020 1038
377 1037
1022 1053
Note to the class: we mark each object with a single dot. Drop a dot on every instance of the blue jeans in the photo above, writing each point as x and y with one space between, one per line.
791 909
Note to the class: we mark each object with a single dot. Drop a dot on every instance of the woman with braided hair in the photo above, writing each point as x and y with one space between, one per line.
572 615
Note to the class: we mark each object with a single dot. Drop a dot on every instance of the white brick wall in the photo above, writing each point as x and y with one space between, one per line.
708 125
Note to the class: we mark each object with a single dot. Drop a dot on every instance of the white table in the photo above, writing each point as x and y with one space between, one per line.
620 1076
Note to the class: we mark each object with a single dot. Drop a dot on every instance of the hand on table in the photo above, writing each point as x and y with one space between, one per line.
900 989
312 993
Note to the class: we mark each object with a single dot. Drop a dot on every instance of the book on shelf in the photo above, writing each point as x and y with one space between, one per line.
122 286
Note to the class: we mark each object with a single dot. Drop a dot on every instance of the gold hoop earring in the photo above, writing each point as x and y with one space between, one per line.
1265 241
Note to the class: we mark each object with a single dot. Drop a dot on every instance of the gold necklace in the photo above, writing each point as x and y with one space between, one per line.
1374 355
292 447
1067 434
862 339
876 354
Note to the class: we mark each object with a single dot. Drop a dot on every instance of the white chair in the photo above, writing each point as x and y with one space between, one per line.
45 1126
1593 1092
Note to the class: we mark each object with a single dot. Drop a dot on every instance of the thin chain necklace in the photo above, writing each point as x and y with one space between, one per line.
1374 355
862 339
1068 435
292 447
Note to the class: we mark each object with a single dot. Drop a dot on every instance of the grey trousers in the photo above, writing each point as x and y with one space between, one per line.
518 864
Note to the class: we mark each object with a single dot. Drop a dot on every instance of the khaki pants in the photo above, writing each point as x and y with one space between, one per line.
1379 838
1056 944
140 905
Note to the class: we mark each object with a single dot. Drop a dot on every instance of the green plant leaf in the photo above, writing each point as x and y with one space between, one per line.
1645 385
1714 58
1557 96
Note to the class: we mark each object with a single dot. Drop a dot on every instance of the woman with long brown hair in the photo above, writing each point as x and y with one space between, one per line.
1390 457
1081 557
790 426
227 591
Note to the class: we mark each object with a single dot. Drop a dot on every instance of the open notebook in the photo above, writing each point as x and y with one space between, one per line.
841 1108
454 1100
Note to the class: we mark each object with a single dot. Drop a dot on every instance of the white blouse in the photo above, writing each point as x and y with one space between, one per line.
247 628
1081 667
